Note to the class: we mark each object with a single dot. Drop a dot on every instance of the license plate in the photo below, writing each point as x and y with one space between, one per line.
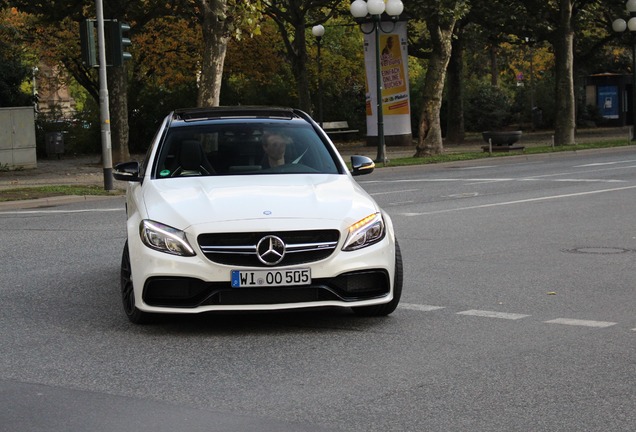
270 278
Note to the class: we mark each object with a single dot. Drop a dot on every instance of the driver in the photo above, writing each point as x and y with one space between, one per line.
274 146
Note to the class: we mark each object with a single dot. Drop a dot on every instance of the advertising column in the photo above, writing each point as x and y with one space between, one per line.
395 85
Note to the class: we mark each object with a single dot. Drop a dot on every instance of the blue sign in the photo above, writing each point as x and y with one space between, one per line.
607 101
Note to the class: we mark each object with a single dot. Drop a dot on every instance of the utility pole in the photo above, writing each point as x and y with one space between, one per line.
104 110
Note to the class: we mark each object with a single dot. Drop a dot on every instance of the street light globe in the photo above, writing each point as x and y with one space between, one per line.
359 9
396 7
631 24
318 30
631 5
619 25
376 7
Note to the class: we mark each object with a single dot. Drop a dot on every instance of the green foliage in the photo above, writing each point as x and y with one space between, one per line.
487 108
148 106
81 135
12 74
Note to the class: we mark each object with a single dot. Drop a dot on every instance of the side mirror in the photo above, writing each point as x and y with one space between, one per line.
361 165
127 171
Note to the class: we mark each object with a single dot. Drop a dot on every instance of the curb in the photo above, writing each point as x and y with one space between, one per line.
53 201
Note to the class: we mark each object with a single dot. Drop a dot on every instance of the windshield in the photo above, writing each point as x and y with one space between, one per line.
243 148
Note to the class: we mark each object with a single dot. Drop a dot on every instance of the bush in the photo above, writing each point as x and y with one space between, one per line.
487 108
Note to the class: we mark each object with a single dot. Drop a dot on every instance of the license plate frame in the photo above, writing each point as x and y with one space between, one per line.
270 278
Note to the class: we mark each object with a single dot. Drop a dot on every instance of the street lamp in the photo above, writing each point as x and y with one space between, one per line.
620 25
371 11
319 31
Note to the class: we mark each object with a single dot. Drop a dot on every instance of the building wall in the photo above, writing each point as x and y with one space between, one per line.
54 97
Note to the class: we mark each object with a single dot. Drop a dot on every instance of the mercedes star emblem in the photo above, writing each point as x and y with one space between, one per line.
270 250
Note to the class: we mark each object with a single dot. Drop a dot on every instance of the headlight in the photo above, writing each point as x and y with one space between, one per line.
163 238
365 232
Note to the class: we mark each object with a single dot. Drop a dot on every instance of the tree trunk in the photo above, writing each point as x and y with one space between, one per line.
494 66
215 46
118 107
430 131
565 122
299 67
455 129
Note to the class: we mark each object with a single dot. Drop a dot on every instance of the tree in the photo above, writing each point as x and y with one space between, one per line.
293 17
440 18
13 71
220 20
214 29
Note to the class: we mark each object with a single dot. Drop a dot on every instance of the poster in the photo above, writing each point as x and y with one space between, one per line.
394 79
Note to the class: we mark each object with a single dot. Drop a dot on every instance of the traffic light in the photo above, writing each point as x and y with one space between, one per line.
87 43
117 42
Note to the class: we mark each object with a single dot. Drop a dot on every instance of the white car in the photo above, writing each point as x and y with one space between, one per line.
252 209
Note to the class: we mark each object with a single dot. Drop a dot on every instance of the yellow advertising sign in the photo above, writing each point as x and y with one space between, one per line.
394 88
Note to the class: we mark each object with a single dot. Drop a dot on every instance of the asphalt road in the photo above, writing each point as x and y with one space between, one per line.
517 315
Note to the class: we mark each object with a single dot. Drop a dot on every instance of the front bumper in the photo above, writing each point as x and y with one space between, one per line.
184 292
171 284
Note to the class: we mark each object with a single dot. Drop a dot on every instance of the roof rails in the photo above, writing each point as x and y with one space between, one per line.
234 112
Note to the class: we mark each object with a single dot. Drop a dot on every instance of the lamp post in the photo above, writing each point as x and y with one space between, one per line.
371 11
319 31
620 25
35 70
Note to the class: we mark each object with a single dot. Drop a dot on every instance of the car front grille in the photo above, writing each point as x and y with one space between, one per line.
240 249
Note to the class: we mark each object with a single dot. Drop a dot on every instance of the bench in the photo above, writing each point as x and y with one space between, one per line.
338 129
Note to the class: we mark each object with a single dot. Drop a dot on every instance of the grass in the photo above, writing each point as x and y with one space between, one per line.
454 157
27 193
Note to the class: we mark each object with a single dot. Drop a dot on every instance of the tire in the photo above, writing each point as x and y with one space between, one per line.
128 293
386 308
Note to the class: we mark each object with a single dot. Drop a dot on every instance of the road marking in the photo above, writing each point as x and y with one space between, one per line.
394 192
529 200
476 167
585 323
461 195
419 307
492 314
532 179
509 316
470 181
401 203
604 163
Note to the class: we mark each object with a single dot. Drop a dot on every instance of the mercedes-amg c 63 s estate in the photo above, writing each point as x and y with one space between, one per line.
252 209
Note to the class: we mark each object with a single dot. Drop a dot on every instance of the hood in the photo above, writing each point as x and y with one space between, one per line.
185 201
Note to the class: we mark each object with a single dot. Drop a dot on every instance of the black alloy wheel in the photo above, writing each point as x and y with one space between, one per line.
387 308
128 293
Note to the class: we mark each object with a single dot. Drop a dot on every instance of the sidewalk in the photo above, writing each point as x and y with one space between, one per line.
474 142
87 170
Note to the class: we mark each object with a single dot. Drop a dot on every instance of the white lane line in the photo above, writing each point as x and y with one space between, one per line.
394 192
492 314
470 181
62 211
604 163
401 203
476 167
584 323
529 200
419 307
532 179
